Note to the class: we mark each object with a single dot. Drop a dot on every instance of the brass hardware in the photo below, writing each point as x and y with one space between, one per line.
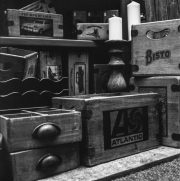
46 130
49 161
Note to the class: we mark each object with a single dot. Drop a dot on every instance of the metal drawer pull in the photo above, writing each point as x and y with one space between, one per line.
46 130
49 161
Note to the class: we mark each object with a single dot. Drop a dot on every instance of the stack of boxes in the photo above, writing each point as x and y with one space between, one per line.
156 68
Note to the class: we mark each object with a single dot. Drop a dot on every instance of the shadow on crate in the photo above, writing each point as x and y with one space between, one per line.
30 92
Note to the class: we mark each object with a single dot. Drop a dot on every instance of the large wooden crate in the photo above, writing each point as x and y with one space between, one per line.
34 24
39 143
168 89
114 125
155 48
17 63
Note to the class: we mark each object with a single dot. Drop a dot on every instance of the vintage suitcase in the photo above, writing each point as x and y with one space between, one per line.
78 66
17 63
40 163
114 125
40 129
34 24
92 31
168 88
39 143
155 48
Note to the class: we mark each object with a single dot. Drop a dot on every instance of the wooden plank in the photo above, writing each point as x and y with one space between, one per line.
161 10
4 41
150 10
173 9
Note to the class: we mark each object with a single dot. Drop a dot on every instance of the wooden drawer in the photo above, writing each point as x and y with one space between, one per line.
168 88
114 125
40 129
40 163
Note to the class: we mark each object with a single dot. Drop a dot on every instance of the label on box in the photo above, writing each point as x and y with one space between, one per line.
162 92
125 126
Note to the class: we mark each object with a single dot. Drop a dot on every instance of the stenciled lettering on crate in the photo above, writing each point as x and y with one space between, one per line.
114 124
155 48
167 88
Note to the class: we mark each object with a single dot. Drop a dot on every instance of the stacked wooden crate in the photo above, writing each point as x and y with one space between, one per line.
156 68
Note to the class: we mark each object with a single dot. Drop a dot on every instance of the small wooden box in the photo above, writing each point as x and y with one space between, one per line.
78 73
40 129
114 125
92 31
155 48
17 63
34 24
40 163
168 88
51 65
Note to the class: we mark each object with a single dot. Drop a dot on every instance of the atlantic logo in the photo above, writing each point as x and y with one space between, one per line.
151 56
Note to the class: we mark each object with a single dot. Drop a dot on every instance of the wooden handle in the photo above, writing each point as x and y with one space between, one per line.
46 130
48 161
158 35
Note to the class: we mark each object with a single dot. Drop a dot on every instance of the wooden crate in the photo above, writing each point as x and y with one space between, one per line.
78 70
50 65
108 128
155 48
34 24
40 129
17 63
40 163
168 88
92 31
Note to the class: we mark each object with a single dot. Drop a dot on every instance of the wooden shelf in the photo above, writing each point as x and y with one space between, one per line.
19 41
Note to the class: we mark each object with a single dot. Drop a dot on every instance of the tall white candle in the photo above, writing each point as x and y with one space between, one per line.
115 28
133 16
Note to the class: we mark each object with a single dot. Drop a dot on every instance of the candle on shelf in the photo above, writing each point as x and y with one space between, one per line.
115 28
133 16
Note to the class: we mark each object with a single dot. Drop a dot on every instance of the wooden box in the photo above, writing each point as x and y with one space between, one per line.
155 48
51 65
17 63
92 31
40 163
168 88
40 129
39 143
114 125
78 73
34 24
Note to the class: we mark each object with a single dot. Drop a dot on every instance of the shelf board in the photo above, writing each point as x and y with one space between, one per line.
5 41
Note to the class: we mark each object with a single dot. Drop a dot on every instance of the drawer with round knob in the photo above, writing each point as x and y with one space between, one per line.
29 130
40 163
